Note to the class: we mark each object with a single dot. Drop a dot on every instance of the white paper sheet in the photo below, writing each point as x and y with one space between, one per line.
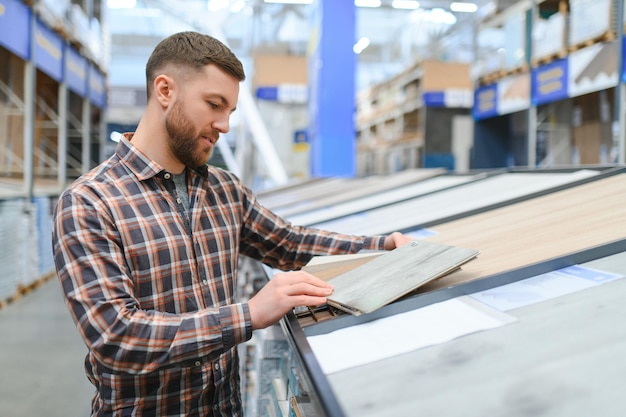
401 333
543 287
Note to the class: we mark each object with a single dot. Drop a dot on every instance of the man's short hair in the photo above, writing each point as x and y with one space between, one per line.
191 50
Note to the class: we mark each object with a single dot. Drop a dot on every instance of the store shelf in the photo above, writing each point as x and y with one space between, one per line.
400 121
561 104
530 239
52 91
52 101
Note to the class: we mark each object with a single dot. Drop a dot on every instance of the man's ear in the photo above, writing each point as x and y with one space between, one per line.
164 89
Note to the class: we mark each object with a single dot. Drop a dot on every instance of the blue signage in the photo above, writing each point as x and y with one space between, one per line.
549 82
76 67
15 27
97 88
332 64
48 51
486 102
434 99
267 93
624 59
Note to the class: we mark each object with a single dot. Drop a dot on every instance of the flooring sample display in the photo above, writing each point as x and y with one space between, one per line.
312 194
357 188
390 196
533 231
436 206
563 357
388 277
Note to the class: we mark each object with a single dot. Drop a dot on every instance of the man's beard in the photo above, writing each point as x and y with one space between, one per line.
184 139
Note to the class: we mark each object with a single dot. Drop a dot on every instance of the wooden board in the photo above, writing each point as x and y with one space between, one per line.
453 202
396 273
536 230
328 267
357 188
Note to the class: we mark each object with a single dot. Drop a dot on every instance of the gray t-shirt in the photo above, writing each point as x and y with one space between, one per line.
180 181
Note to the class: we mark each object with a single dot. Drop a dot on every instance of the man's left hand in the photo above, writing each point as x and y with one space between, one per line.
396 239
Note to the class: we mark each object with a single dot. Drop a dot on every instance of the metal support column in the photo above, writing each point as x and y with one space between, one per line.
30 79
86 137
619 120
532 111
532 136
62 135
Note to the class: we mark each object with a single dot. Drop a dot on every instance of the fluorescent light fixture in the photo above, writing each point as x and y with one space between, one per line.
463 7
439 15
405 4
121 4
238 6
361 45
367 3
215 5
290 1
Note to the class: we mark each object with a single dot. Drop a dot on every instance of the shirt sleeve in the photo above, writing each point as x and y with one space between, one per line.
273 240
99 291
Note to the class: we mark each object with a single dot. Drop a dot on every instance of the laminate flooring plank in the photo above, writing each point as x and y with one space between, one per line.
364 187
294 194
447 203
386 278
536 230
389 196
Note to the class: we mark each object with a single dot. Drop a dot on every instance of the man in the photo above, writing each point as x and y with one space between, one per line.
147 246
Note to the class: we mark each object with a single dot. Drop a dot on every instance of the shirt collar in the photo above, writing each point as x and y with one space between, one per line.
139 164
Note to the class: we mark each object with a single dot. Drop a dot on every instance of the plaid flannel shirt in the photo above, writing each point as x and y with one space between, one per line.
153 291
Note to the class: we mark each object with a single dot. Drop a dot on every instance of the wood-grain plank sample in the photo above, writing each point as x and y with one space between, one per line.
536 230
388 277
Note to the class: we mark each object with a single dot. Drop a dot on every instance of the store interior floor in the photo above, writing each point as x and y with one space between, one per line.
41 358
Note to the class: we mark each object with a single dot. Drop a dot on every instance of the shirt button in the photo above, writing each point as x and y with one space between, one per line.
178 200
167 176
216 366
205 282
198 363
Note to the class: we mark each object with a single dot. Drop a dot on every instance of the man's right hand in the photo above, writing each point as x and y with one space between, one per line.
283 292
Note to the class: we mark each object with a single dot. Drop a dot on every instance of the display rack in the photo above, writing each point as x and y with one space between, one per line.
570 225
488 192
52 103
53 90
559 101
415 119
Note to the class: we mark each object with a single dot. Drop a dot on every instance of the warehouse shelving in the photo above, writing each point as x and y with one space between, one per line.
562 103
52 103
409 121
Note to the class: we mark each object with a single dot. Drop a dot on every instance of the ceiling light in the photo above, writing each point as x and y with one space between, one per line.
463 7
361 45
405 4
121 4
439 15
367 3
290 1
215 5
238 6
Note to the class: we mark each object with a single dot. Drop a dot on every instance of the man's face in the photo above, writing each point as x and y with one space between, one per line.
200 113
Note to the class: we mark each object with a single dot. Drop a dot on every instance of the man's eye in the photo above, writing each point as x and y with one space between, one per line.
212 105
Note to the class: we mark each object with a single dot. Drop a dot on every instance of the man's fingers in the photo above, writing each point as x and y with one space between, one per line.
309 300
305 288
301 277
